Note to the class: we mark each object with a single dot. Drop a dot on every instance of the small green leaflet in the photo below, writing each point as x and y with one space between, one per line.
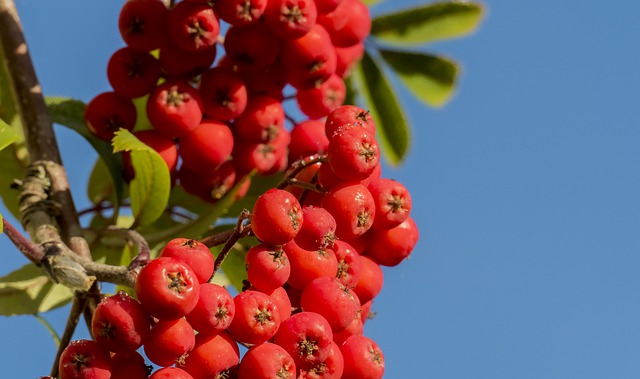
391 123
149 190
428 23
431 79
7 135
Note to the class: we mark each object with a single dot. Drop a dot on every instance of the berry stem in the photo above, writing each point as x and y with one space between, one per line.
30 250
300 165
241 230
77 308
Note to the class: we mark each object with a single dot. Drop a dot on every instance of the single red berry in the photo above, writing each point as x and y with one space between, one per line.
214 311
319 101
307 138
290 18
392 246
353 154
261 122
267 267
170 373
267 361
143 24
361 242
365 312
308 265
162 144
371 279
363 359
193 253
318 229
211 186
109 112
310 60
282 301
257 317
331 368
353 208
269 81
119 323
251 47
349 24
347 116
349 267
182 64
347 57
307 337
174 109
167 288
261 157
393 203
333 301
276 217
214 356
224 95
356 328
241 12
133 73
84 359
206 147
193 26
129 365
169 342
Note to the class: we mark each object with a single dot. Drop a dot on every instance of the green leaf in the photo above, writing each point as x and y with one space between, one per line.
428 23
8 108
431 79
7 135
100 187
13 163
70 113
392 128
28 291
150 188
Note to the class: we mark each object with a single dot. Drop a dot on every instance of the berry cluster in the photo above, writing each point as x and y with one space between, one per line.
222 118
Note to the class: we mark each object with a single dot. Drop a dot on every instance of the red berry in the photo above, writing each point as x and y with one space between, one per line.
307 138
193 27
282 301
119 323
207 147
353 154
224 95
326 6
267 361
193 253
169 342
267 267
331 368
310 60
179 64
353 208
262 120
393 203
133 73
143 24
241 12
276 217
349 267
129 365
363 359
213 356
211 186
174 109
107 113
308 265
269 81
318 230
290 18
251 47
356 328
347 57
307 337
214 311
162 144
84 359
346 116
330 299
371 278
319 101
392 246
348 24
170 373
257 317
167 288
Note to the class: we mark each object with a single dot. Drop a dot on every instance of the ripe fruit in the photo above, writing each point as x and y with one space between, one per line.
276 217
192 26
193 253
142 24
353 154
307 337
330 299
133 73
169 342
353 208
213 356
107 113
174 109
267 267
393 203
224 95
267 361
345 115
84 359
241 12
129 365
162 144
119 323
392 246
363 359
290 18
318 230
308 265
257 318
207 147
170 373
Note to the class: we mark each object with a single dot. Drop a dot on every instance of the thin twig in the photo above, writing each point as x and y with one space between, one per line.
77 308
291 119
30 250
238 232
299 165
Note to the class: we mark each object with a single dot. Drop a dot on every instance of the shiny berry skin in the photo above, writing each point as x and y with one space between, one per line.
119 323
178 63
167 288
363 359
107 113
132 73
346 116
308 265
290 18
318 230
282 301
213 355
193 253
143 24
393 203
347 57
349 267
214 311
353 208
276 217
267 267
206 147
330 299
174 109
267 361
262 120
84 359
252 47
356 328
193 27
392 246
310 60
331 368
353 154
319 101
307 138
169 342
371 279
257 318
170 373
241 12
129 365
224 94
349 24
307 337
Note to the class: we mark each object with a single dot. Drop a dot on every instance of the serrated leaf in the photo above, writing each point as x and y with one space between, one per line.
430 78
428 23
70 113
149 189
7 135
28 291
392 128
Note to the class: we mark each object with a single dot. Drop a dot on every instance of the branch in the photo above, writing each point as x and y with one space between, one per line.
299 165
241 230
30 250
77 307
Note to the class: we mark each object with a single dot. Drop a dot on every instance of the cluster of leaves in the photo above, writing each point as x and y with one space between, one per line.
160 213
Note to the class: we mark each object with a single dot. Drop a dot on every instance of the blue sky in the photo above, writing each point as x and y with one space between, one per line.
525 188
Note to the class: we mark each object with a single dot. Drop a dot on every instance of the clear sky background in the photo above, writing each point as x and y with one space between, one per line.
526 190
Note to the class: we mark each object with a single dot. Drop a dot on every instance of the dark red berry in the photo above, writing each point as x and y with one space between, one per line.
170 373
193 253
290 18
307 337
109 112
392 246
143 24
133 73
206 147
119 323
224 95
192 26
276 217
241 12
214 356
174 109
84 359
